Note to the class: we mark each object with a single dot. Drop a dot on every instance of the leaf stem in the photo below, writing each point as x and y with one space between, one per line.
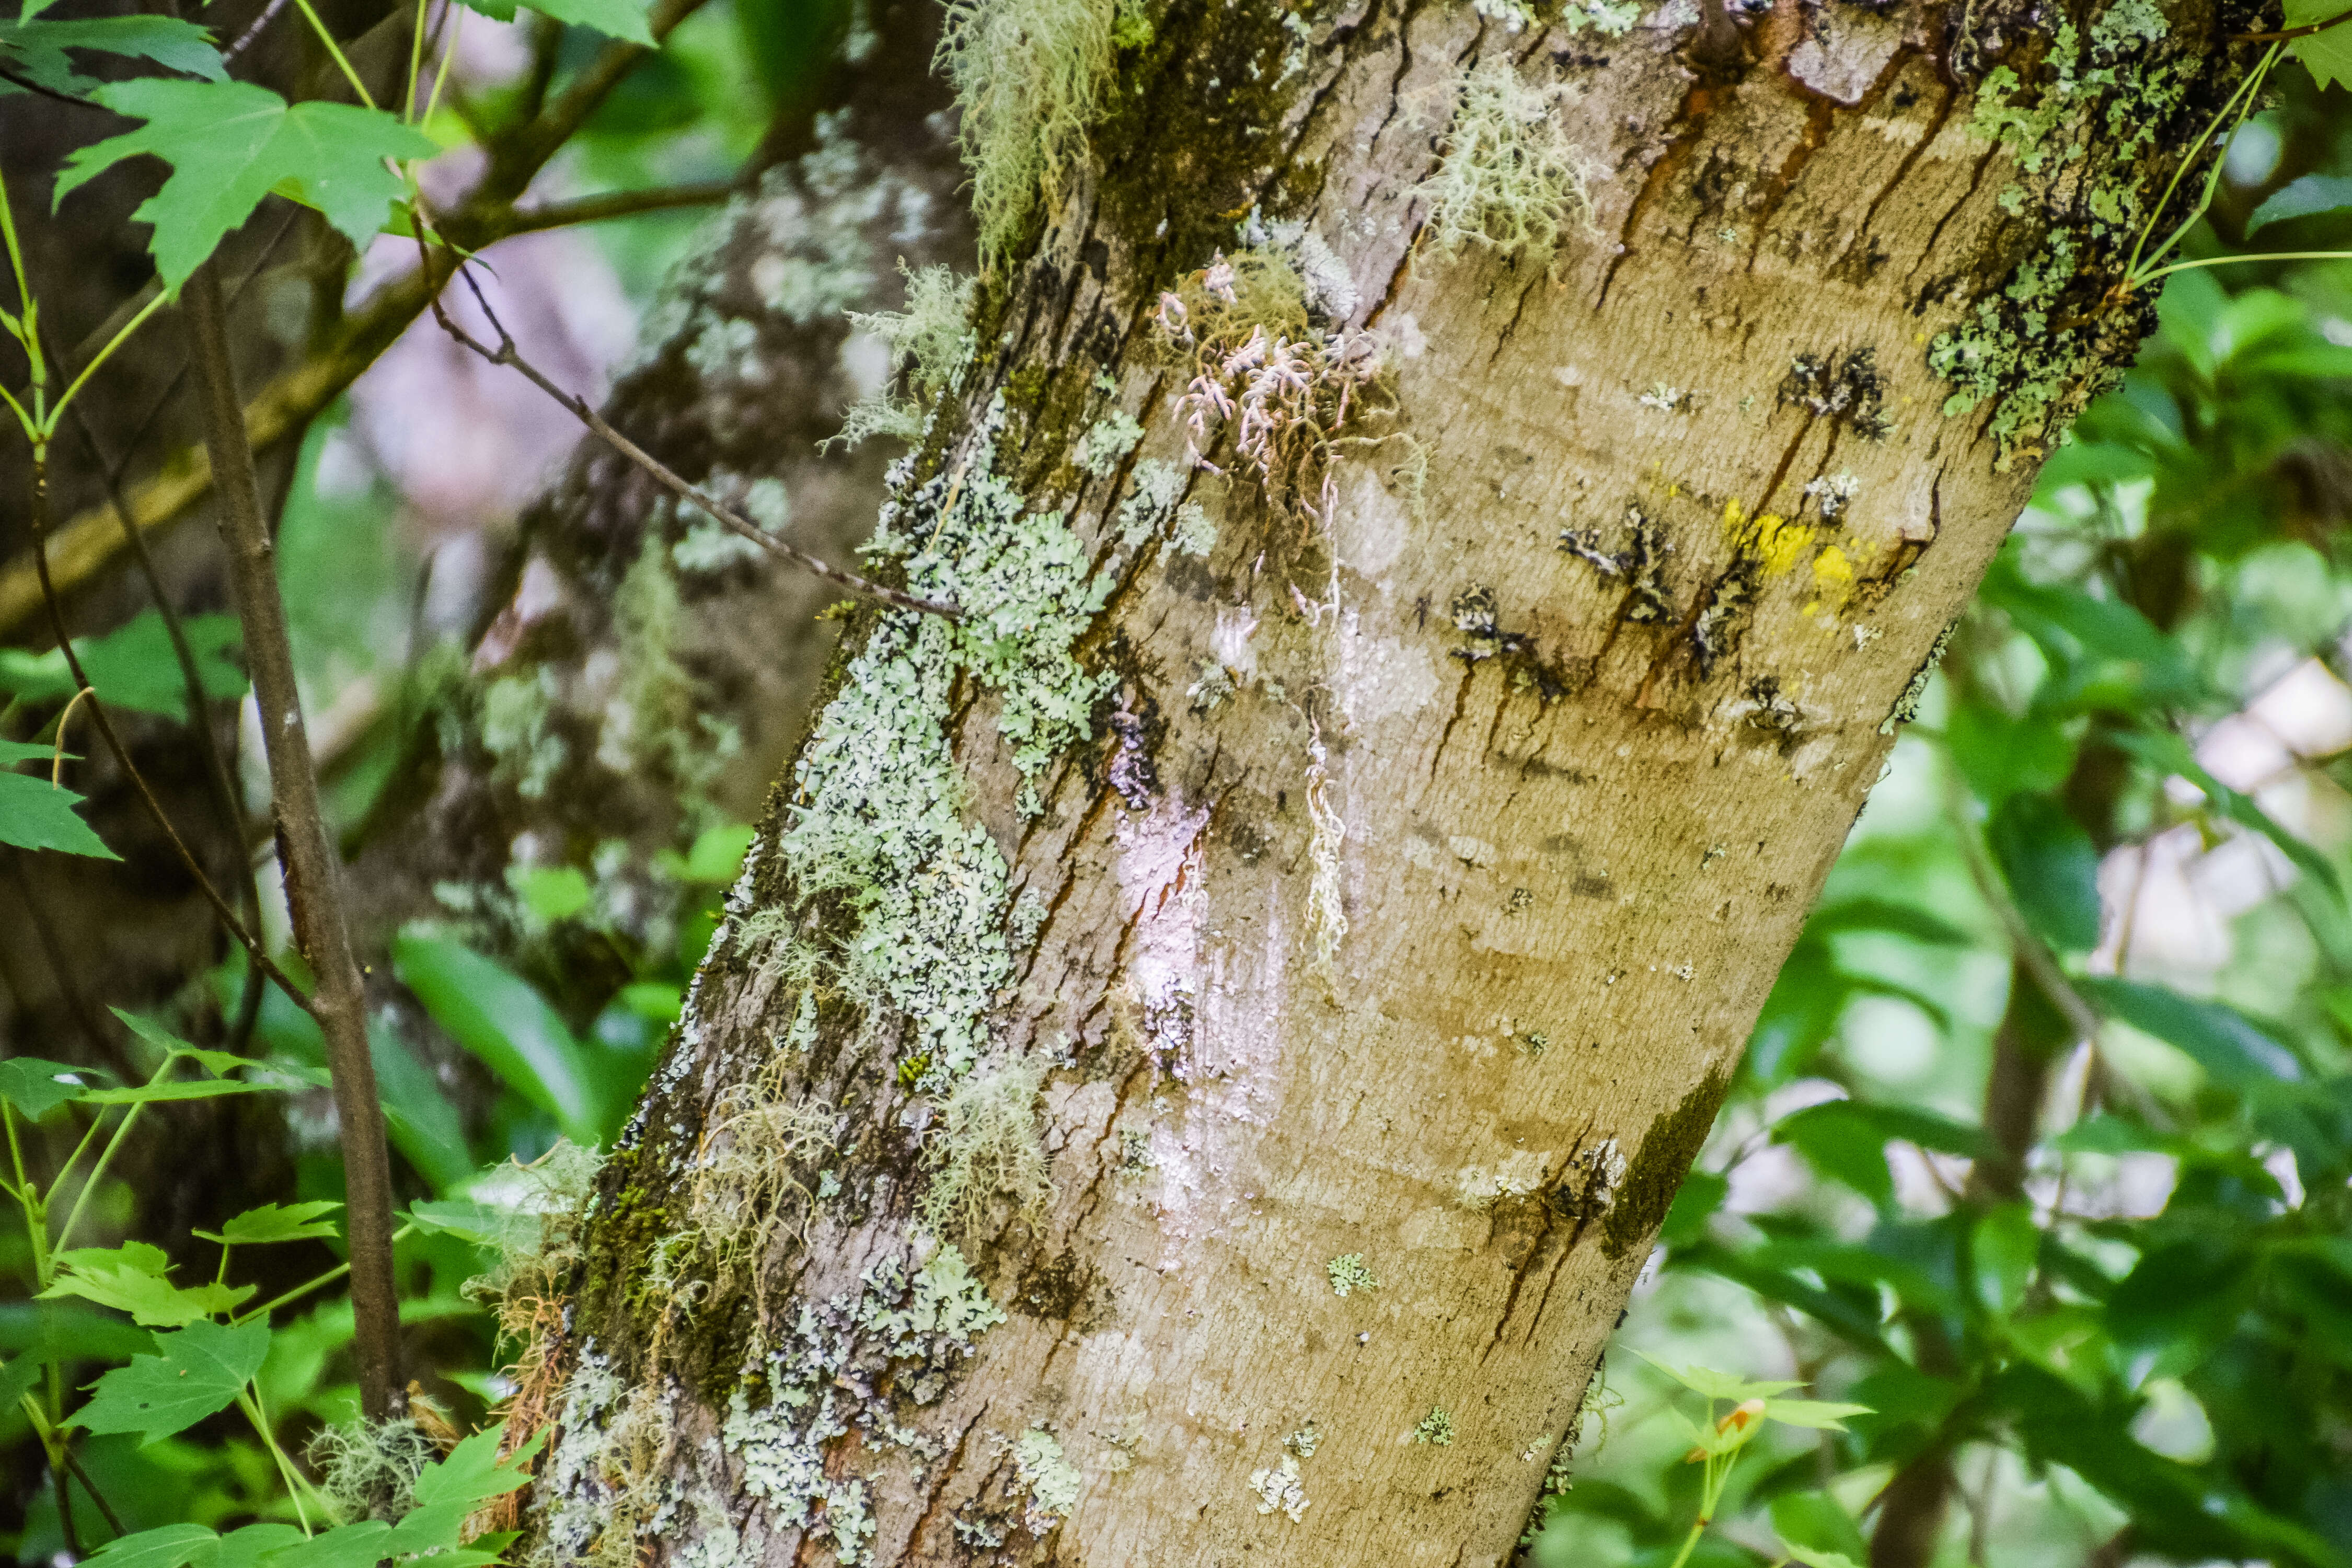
249 1401
2237 103
298 1291
328 38
161 299
73 1214
457 26
2226 260
415 63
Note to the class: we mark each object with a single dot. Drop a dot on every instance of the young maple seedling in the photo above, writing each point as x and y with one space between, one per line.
1719 1440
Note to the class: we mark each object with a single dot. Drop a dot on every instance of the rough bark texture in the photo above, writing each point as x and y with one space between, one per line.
1401 901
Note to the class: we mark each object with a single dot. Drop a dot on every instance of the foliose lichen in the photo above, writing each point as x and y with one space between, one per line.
2103 101
842 1368
877 811
1350 1273
1051 1482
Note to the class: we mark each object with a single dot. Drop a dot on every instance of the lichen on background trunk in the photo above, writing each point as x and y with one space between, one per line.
1266 968
635 673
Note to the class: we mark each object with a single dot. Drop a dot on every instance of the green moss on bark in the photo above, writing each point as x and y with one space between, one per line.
1658 1167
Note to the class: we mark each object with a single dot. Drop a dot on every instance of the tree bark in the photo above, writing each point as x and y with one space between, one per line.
1384 896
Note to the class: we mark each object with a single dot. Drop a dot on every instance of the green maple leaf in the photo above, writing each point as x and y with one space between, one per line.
231 144
37 1087
35 814
199 1370
167 1546
2326 54
135 1279
277 1222
622 19
36 49
134 666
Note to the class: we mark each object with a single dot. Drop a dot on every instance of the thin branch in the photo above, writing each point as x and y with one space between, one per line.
254 952
106 1509
619 204
2302 32
29 85
312 893
253 29
506 354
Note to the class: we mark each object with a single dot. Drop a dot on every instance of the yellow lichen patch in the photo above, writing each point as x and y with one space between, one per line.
1833 576
1773 542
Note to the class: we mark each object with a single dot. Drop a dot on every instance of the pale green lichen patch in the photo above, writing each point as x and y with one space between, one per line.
1436 1428
1350 1273
1281 1490
1050 1481
653 718
2101 100
517 730
843 1368
1108 442
878 808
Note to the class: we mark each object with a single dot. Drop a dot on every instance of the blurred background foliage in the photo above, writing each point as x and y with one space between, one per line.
2043 1146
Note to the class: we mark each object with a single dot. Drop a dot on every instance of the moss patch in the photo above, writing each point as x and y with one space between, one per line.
1658 1167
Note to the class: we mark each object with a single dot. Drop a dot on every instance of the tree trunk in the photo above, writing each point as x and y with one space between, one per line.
1202 1048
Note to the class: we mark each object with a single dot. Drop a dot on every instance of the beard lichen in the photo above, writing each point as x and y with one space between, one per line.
1507 178
1028 76
928 342
986 1147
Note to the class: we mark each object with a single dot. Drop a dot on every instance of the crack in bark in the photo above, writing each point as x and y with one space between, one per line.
1697 104
1819 116
1936 124
947 1475
1461 695
1976 178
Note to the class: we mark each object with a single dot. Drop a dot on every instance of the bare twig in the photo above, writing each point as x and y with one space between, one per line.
619 204
253 30
255 953
735 522
313 895
105 1508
